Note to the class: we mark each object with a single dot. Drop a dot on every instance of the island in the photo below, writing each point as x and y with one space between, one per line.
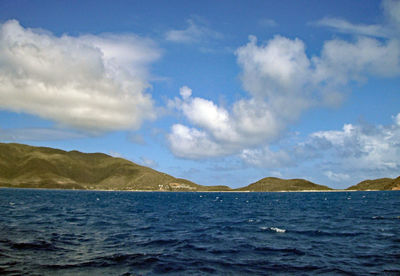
274 184
25 166
377 184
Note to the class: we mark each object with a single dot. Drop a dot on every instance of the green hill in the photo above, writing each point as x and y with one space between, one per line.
377 184
273 184
26 166
23 166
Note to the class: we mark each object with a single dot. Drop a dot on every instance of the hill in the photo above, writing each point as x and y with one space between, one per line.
380 184
23 166
273 184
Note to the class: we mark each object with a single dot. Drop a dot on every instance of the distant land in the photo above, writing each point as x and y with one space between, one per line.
274 184
377 184
24 166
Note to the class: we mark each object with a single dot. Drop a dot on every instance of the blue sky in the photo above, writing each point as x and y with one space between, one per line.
217 92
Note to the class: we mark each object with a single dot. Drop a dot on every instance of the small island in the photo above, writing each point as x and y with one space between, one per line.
274 184
24 166
386 184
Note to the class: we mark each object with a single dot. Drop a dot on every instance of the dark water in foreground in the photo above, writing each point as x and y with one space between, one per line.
47 232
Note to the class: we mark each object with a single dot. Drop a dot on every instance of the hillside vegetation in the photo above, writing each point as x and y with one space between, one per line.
23 166
377 184
273 184
40 167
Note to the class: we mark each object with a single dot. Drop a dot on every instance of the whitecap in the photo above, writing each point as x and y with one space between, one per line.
277 230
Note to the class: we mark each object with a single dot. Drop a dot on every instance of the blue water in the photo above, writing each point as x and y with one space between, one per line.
49 232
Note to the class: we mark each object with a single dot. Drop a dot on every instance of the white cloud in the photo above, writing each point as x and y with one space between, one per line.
281 63
274 74
194 33
337 177
194 144
354 149
372 147
265 158
391 10
397 119
223 132
388 29
91 83
343 61
277 73
282 82
37 134
344 26
185 92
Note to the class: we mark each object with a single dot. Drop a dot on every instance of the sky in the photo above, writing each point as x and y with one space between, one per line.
217 92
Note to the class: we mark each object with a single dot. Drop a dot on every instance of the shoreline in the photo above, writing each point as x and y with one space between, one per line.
158 191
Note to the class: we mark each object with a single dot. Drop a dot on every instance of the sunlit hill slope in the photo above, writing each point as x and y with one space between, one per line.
39 167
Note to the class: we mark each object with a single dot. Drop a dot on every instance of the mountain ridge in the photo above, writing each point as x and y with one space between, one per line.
42 167
25 166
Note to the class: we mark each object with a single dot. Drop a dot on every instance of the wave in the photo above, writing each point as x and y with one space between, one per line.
161 242
280 250
274 229
133 259
34 245
320 233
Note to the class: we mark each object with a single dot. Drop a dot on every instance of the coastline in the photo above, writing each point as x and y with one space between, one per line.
159 191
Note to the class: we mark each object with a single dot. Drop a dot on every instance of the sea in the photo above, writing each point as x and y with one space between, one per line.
60 232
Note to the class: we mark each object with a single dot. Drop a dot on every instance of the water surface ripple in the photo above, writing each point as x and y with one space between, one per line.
49 232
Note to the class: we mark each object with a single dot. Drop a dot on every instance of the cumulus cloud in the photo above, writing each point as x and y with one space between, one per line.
352 149
372 147
343 61
194 33
282 82
221 132
192 143
91 83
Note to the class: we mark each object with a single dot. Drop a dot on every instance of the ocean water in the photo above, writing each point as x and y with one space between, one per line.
49 232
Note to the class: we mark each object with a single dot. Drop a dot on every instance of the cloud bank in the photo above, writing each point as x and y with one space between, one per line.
350 150
91 83
283 82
